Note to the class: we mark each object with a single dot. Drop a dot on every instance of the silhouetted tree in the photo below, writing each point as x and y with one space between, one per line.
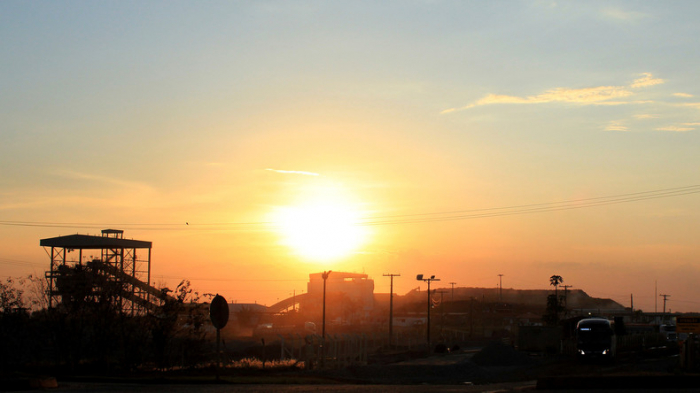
11 297
245 317
38 292
551 316
177 327
89 328
554 305
555 281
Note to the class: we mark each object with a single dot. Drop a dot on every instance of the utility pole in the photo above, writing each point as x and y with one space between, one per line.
471 316
566 293
391 307
665 297
442 311
500 287
566 299
453 291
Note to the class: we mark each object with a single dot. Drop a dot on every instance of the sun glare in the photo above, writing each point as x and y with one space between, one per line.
320 232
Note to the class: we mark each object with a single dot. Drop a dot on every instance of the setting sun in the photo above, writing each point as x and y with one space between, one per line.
320 232
362 138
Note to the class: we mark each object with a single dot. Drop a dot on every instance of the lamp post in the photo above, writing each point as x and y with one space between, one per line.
323 324
428 280
500 287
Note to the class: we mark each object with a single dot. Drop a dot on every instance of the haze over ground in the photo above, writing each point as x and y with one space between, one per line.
460 139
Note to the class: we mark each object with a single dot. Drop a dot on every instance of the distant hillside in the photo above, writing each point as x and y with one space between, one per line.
530 297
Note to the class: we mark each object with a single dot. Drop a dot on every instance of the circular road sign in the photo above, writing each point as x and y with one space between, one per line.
218 312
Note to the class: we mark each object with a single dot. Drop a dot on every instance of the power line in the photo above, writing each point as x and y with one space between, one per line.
390 219
228 279
539 207
140 226
17 262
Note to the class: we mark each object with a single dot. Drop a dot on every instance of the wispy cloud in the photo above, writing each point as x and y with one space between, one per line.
675 129
103 179
646 80
36 201
684 95
85 190
613 103
590 95
600 95
293 172
616 126
646 116
691 104
546 3
623 15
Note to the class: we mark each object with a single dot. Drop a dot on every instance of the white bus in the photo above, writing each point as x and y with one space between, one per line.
595 338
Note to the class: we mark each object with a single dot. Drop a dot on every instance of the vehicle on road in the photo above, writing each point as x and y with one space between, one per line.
595 338
669 331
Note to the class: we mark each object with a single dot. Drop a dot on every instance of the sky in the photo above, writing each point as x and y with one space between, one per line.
256 142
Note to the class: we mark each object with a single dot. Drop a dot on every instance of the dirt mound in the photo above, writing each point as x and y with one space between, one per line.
499 354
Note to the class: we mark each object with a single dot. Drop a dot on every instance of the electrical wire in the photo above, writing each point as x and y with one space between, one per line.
539 207
391 219
17 262
232 279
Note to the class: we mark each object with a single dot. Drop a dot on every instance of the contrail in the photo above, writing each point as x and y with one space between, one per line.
293 172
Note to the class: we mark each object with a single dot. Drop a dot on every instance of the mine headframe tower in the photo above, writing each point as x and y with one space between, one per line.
117 271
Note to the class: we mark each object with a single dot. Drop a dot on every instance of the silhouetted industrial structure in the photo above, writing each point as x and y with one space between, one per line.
118 273
343 288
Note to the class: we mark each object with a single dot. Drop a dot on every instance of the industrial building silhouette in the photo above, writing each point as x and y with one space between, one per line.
106 268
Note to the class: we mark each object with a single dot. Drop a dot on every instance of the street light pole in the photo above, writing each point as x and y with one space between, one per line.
428 280
323 324
500 287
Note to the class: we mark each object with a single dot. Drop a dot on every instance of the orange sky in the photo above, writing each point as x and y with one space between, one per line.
436 125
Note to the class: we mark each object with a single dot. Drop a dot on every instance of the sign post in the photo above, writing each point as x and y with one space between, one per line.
218 313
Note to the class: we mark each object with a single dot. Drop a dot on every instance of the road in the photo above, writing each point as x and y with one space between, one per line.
189 388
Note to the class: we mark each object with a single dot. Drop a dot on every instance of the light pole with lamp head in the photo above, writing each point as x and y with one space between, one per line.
428 280
323 322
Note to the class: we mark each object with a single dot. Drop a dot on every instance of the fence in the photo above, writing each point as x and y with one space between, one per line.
342 350
336 351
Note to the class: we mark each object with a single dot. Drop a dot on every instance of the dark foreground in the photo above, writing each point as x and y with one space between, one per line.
260 388
493 369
